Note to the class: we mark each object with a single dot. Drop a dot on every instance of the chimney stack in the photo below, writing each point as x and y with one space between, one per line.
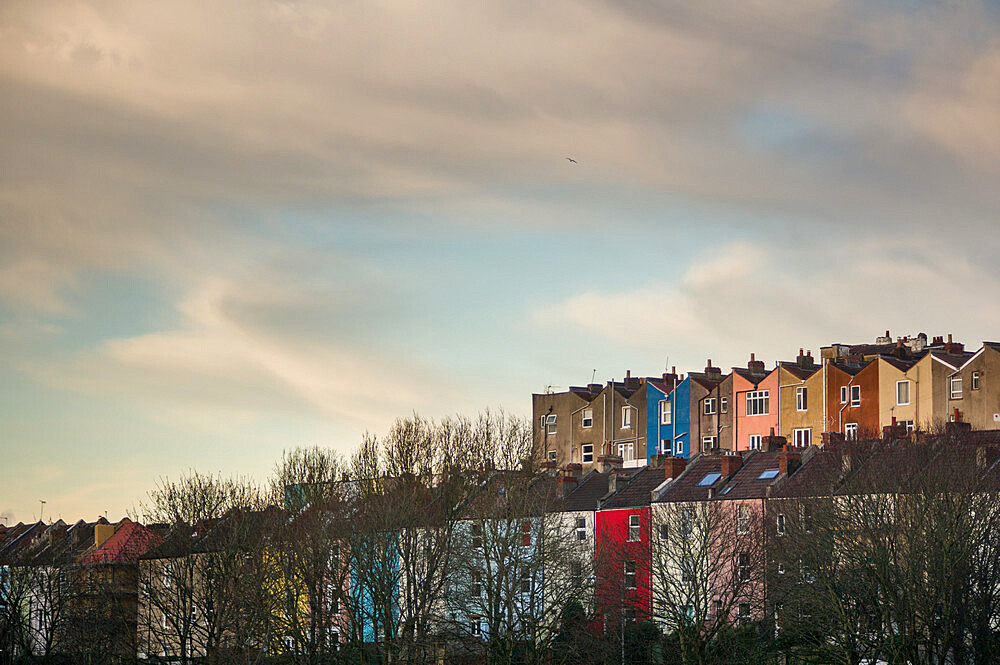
788 462
755 366
730 464
617 482
713 372
102 532
566 484
674 467
573 470
804 361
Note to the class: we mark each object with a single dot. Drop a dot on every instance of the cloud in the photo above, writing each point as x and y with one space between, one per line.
768 299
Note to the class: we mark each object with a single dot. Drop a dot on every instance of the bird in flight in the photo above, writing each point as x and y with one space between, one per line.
572 160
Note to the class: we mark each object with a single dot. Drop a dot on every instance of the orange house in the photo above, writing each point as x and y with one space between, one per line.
755 396
852 399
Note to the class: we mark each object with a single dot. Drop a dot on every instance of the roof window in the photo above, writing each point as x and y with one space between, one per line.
709 479
767 474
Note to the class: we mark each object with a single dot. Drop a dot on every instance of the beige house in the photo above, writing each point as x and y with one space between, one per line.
974 389
915 392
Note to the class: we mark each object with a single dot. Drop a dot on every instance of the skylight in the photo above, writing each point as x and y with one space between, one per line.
768 473
709 479
728 489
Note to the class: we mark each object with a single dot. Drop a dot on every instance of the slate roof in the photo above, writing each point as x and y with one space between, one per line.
592 487
637 492
752 377
801 373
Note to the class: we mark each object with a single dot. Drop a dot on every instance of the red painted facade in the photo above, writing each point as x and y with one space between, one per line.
623 564
747 426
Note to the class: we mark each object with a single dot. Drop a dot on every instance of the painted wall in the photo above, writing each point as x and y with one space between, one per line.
747 426
680 400
839 414
656 432
614 550
979 406
790 418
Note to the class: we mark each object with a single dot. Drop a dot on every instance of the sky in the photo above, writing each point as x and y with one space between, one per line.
233 228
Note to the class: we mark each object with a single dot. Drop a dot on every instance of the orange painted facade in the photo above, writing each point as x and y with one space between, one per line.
852 400
747 426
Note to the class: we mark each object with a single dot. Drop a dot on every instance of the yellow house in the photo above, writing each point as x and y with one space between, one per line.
800 401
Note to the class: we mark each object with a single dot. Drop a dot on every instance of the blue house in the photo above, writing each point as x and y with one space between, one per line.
668 416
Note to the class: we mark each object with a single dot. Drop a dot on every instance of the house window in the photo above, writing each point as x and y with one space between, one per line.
806 518
477 584
587 452
550 423
843 394
576 573
743 519
709 406
678 447
908 424
687 521
724 405
626 451
781 568
855 395
709 442
757 402
477 536
665 412
581 528
476 629
755 442
525 581
717 608
902 393
744 566
634 529
588 418
851 431
975 380
666 446
802 437
630 574
956 387
552 456
801 403
780 524
664 531
626 417
744 615
525 533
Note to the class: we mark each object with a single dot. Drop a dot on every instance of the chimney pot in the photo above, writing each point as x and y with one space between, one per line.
752 357
709 363
949 338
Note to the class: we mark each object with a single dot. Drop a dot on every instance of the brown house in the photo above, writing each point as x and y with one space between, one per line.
711 410
587 424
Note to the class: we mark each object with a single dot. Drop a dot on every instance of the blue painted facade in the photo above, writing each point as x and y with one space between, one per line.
681 409
374 621
678 430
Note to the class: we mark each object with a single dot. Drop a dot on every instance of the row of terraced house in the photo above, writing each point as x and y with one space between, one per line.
850 391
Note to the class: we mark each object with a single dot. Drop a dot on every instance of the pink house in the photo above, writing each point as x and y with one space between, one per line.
755 396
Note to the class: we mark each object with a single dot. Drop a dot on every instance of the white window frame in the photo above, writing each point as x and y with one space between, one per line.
903 382
678 447
666 447
587 418
843 394
634 528
626 417
550 423
587 453
723 405
708 407
955 393
760 401
755 441
779 524
626 451
975 381
801 399
631 578
708 442
553 455
851 431
855 396
666 412
581 531
802 437
742 518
